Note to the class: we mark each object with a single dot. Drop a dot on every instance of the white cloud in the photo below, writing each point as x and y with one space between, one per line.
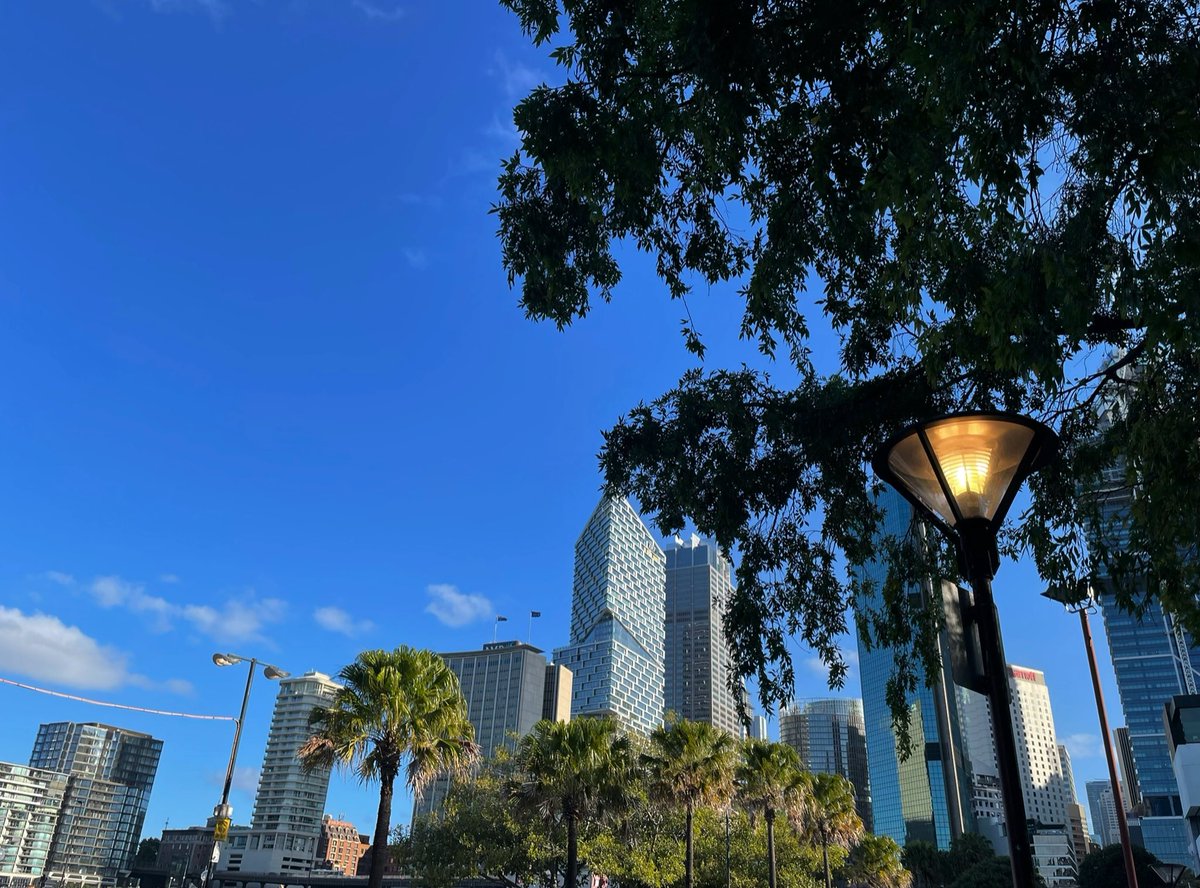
516 80
337 620
62 579
456 608
238 619
816 665
378 13
245 778
180 686
1083 745
43 648
416 258
169 578
215 9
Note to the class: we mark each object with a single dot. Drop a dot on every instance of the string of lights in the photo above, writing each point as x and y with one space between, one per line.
111 705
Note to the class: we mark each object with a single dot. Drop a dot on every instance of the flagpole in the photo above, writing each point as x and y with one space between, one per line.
529 633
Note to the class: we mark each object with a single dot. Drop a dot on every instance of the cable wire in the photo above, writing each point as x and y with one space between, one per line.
78 699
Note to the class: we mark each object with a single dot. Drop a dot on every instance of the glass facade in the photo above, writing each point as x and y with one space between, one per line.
1154 659
1104 812
111 774
924 797
830 737
618 615
30 801
699 667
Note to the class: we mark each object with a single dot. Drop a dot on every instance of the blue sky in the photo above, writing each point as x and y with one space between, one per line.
267 390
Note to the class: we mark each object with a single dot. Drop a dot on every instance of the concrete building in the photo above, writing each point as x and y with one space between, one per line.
1131 793
1046 789
556 699
290 801
339 847
111 773
1077 824
830 737
184 853
504 685
1104 813
618 616
927 796
30 801
699 677
1054 856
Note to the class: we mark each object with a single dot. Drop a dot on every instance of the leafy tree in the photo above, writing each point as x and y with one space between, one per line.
874 862
748 868
147 852
770 781
572 772
830 816
393 707
1105 868
991 872
690 764
926 863
966 851
986 205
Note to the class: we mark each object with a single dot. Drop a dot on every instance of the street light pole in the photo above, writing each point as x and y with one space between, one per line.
223 813
961 473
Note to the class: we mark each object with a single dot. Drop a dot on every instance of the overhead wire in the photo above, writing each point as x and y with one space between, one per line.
111 705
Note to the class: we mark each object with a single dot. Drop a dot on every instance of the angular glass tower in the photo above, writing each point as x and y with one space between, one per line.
111 774
618 613
925 797
698 662
830 737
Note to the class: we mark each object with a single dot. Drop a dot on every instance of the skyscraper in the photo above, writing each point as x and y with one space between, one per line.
618 612
758 728
290 801
830 737
1076 816
1131 791
927 795
504 685
1042 781
111 773
30 802
1104 811
699 667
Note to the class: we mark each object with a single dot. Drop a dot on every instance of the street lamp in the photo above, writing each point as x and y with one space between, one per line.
1082 600
961 472
224 812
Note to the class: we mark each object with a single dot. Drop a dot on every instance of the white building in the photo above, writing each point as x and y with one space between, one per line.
289 804
30 800
618 616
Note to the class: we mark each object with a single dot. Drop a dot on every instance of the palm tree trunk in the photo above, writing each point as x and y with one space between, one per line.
572 879
770 849
383 822
825 854
687 865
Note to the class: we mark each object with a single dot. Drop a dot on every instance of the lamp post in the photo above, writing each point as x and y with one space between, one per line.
961 472
1082 600
224 811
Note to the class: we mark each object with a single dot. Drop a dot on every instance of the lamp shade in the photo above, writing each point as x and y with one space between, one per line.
965 467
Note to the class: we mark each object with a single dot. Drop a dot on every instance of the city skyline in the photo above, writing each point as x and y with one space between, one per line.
250 405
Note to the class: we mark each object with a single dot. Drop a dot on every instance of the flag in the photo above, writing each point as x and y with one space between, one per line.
535 613
500 619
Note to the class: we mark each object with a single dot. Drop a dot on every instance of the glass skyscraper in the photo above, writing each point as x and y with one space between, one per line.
926 796
618 613
830 737
111 773
698 663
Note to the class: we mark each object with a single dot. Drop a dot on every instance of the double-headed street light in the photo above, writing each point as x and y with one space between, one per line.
961 472
224 812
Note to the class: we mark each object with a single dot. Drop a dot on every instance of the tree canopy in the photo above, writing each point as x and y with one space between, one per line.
988 205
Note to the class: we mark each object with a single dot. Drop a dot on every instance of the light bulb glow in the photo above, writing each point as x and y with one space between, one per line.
968 471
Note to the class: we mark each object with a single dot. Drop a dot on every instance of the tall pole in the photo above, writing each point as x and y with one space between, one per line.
996 670
222 810
1119 801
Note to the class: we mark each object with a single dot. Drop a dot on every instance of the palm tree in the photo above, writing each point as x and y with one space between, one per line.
770 780
572 772
874 862
690 764
830 815
393 706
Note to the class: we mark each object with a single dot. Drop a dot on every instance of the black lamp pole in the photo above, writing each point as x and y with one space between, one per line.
961 473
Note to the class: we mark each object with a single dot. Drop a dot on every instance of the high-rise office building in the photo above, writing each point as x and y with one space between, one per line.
30 802
111 774
926 796
1154 659
290 801
504 685
699 676
830 737
758 728
556 700
1131 793
1104 813
618 614
1077 824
